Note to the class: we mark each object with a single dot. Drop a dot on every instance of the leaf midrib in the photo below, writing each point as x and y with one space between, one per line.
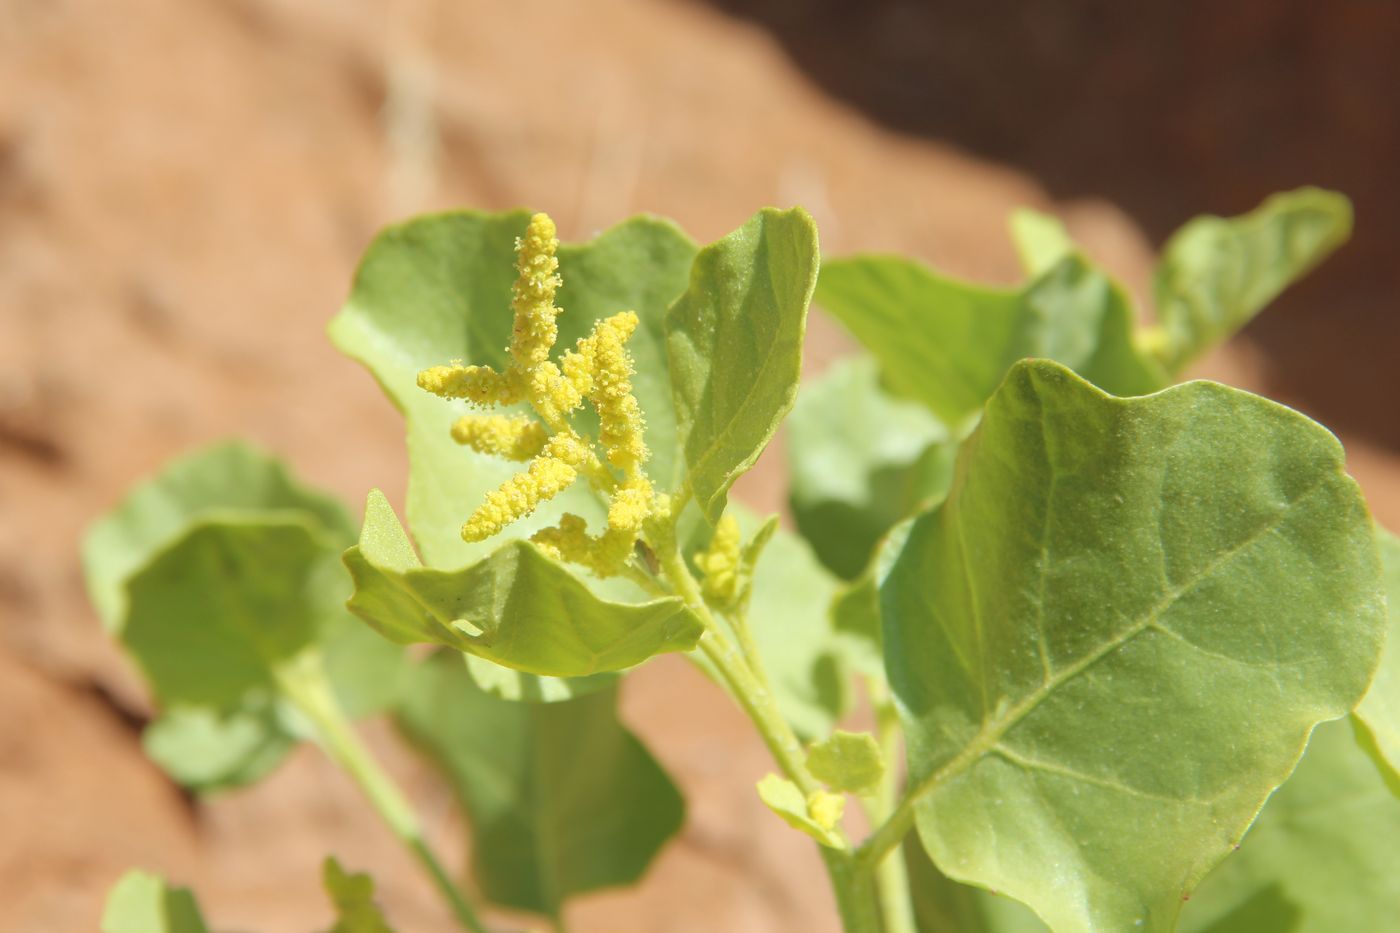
991 733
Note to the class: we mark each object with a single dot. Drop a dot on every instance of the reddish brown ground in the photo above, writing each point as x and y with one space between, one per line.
185 186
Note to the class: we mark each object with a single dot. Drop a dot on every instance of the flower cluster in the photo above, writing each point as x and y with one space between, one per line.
599 370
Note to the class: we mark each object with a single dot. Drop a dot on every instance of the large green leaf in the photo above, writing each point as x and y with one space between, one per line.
1322 857
1379 712
859 461
516 607
438 288
734 340
1217 273
561 798
144 903
1111 641
214 572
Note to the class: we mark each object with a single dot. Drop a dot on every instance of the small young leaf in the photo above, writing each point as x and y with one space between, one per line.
353 897
439 288
948 344
785 799
561 798
516 607
847 761
1216 274
1109 644
144 903
1379 712
859 461
1041 240
1320 858
734 340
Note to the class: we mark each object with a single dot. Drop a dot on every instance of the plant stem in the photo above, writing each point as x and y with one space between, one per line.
855 894
891 874
304 684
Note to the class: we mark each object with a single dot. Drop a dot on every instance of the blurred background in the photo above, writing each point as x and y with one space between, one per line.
185 186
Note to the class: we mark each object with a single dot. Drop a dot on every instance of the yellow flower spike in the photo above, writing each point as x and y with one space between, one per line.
479 384
548 475
619 415
514 437
826 808
533 295
720 563
568 541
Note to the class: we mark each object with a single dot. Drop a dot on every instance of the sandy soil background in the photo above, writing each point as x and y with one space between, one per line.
185 186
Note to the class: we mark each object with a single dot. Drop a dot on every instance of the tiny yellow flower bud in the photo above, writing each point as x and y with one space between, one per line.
514 437
630 506
479 384
720 563
826 808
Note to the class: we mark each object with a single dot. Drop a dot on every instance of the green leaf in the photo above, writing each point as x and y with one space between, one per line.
847 761
231 477
788 616
208 750
785 799
1217 273
353 897
561 798
1109 644
214 572
1379 712
941 905
1041 240
948 343
438 288
859 461
1320 858
516 607
734 341
144 903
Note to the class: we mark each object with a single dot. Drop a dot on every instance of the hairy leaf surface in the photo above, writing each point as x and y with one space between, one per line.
516 607
1111 641
734 341
1321 857
561 798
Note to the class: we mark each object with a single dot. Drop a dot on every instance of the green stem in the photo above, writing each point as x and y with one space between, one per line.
891 874
304 684
854 890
